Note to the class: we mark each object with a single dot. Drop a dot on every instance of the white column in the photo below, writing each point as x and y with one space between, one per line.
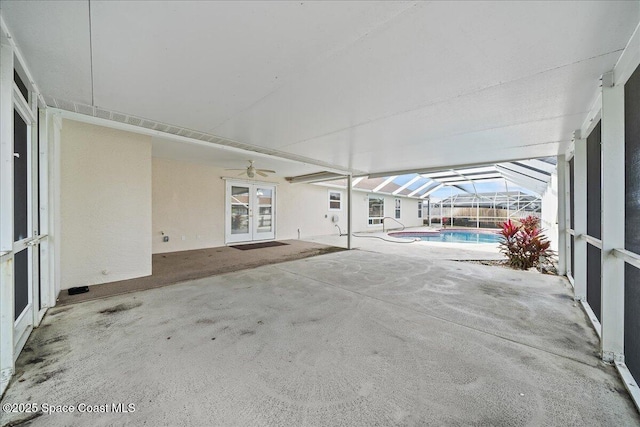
566 189
349 208
613 218
451 210
562 215
580 217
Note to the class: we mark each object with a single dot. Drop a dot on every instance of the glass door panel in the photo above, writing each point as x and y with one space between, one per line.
20 214
22 229
264 219
239 210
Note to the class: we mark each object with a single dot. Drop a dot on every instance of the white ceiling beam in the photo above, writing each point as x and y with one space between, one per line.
416 191
314 177
473 171
430 191
512 172
408 183
384 184
356 181
525 171
527 183
432 175
539 164
523 181
451 179
437 169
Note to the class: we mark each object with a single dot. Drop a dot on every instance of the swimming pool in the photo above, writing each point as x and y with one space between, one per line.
452 236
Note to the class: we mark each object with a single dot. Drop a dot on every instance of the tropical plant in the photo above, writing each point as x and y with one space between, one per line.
523 244
530 223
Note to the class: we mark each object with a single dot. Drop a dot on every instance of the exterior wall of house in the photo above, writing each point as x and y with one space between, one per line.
306 207
189 208
114 192
408 212
105 205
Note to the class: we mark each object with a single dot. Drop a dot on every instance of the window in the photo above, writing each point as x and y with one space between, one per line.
420 209
397 208
21 86
335 200
376 210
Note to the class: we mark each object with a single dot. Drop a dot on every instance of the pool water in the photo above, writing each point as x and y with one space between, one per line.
455 237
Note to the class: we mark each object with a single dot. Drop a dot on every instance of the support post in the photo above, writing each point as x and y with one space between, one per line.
452 209
349 208
613 218
478 212
566 189
580 217
562 216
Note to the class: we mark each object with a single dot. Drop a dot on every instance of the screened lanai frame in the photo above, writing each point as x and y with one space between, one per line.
474 196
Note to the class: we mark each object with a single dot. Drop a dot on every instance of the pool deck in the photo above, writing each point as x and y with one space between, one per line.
382 242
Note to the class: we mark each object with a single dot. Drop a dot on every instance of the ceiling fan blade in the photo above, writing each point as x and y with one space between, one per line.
241 173
259 172
235 169
266 170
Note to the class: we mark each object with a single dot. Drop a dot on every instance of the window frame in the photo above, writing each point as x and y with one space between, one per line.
329 201
374 220
420 208
398 208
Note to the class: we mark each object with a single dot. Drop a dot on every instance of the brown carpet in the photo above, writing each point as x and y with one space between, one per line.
174 267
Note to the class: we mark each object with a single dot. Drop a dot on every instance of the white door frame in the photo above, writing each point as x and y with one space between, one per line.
27 318
253 211
15 332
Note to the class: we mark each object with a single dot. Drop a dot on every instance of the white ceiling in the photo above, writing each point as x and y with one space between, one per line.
220 157
369 86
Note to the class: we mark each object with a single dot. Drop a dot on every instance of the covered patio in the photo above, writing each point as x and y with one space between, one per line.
375 336
132 132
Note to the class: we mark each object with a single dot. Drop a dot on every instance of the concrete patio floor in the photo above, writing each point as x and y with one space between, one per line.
352 338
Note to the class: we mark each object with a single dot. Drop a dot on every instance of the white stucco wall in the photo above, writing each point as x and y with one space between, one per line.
189 207
105 205
549 217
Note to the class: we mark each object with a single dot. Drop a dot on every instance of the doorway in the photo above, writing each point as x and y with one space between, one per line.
250 212
25 256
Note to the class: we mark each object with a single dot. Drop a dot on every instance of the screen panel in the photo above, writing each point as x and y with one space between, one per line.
594 227
21 283
632 222
594 183
20 174
594 274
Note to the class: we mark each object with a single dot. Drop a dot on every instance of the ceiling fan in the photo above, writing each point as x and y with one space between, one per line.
251 170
